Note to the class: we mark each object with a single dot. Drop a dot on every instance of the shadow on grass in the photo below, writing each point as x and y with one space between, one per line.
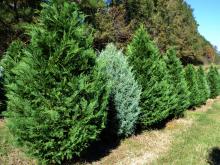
214 156
95 152
100 149
109 140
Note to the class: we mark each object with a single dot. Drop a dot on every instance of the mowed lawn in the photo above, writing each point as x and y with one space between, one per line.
192 140
198 145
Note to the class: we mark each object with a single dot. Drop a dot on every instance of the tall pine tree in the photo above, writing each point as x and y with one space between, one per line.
56 100
151 73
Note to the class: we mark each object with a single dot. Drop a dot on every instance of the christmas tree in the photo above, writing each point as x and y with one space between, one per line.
56 100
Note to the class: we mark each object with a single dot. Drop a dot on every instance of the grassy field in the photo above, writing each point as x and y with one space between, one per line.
199 144
174 144
191 140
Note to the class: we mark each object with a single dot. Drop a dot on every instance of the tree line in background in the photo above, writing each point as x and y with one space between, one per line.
13 14
62 95
168 22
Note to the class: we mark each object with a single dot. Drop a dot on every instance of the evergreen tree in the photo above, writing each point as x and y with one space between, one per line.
213 81
176 73
218 75
204 91
138 9
151 73
191 79
56 100
111 27
90 8
2 93
15 49
125 92
11 59
12 14
169 23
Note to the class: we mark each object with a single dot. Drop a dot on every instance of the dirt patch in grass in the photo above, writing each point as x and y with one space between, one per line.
145 148
2 124
138 149
16 157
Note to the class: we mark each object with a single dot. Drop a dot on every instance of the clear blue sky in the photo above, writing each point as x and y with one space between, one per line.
207 14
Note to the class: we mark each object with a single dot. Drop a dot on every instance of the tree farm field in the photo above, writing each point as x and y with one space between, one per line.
101 82
193 139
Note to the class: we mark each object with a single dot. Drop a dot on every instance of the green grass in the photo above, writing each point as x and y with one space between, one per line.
194 145
9 154
4 141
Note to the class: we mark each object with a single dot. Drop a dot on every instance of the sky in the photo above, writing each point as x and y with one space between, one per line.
207 14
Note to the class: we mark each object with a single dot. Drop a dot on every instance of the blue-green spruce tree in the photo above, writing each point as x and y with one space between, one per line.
125 91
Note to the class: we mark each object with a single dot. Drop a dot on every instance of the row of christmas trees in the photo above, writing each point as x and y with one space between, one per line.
62 96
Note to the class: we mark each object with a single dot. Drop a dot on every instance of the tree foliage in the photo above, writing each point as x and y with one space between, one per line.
151 73
176 73
191 79
213 81
169 23
12 14
2 93
111 26
204 91
90 8
11 58
56 100
125 92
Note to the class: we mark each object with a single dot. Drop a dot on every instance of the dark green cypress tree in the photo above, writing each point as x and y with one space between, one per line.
151 73
204 91
218 76
56 100
191 79
16 49
176 73
2 94
11 58
213 81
